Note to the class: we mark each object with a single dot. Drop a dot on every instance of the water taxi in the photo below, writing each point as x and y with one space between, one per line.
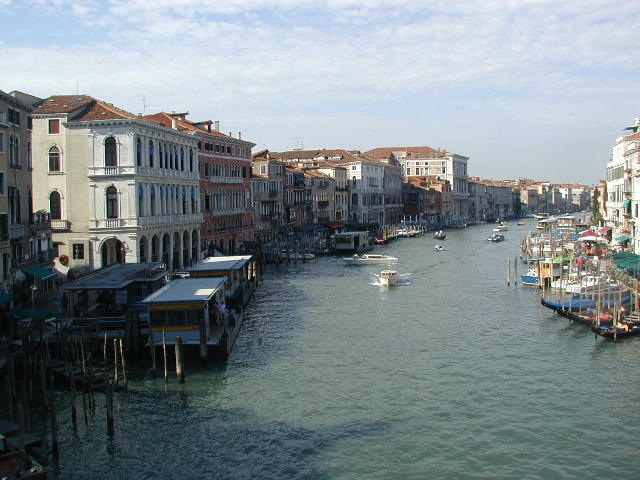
496 237
501 228
440 248
388 277
369 259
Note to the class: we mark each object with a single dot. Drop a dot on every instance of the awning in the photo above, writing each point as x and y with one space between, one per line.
38 272
334 224
604 230
5 298
626 203
588 233
623 238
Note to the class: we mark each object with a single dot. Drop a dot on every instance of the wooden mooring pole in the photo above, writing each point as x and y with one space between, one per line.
179 359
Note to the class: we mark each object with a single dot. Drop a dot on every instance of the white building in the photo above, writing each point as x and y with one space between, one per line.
119 188
424 161
620 184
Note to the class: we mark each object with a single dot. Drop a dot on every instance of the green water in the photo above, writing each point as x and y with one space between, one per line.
453 376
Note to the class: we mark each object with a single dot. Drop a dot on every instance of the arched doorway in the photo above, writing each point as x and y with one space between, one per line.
155 248
165 249
186 261
194 246
143 249
176 251
111 252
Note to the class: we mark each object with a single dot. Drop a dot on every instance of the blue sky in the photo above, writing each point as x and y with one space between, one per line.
529 88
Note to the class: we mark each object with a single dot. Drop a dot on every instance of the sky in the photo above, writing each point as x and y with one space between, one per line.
525 88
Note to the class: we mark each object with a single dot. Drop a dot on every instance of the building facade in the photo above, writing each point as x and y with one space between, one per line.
118 188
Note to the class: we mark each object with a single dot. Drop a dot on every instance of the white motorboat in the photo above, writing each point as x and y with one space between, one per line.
501 228
369 259
440 248
388 277
591 284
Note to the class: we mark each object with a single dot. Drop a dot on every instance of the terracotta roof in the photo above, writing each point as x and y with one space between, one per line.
100 110
63 103
166 119
414 152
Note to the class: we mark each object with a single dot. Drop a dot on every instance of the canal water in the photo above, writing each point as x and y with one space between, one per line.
454 375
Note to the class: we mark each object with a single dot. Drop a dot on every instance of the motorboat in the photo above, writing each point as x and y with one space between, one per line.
369 259
440 235
591 284
496 237
388 277
520 222
501 228
531 278
440 248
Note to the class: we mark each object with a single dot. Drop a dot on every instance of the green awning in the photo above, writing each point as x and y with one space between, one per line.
623 238
5 297
39 272
626 203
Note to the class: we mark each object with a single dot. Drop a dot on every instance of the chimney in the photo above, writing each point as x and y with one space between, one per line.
217 125
174 123
209 127
239 135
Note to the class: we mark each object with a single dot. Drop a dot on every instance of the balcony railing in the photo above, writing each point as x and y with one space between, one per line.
16 230
116 223
219 212
146 171
60 225
226 179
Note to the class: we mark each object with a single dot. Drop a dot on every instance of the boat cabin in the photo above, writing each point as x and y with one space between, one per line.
547 224
104 298
350 241
193 309
567 223
240 272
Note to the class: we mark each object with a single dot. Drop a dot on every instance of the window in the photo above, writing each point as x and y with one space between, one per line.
78 251
110 152
13 116
55 205
138 152
190 159
141 201
54 159
14 151
1 142
14 205
152 194
182 158
112 202
1 183
54 126
150 148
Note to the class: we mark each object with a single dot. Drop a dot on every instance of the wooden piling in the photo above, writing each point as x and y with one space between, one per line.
203 340
508 271
164 355
515 271
54 422
152 349
124 365
179 360
115 361
72 387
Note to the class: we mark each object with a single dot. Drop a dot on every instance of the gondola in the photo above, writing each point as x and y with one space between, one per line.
624 330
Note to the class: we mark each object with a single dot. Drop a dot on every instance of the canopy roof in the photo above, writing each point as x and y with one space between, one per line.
186 291
626 260
220 264
38 272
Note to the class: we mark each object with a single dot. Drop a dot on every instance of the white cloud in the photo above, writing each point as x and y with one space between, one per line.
342 58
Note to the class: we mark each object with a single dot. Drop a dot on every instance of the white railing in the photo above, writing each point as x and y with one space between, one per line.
226 179
146 171
219 212
170 219
57 225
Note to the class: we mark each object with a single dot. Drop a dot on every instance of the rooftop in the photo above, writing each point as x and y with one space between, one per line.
117 276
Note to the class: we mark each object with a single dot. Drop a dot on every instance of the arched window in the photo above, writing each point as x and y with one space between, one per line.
170 158
354 181
161 154
354 199
110 152
150 153
141 201
166 156
138 151
184 199
54 159
152 195
191 159
112 202
182 158
193 200
55 205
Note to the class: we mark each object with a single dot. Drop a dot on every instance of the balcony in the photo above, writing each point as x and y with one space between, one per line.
226 179
177 219
219 212
130 170
16 230
60 225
